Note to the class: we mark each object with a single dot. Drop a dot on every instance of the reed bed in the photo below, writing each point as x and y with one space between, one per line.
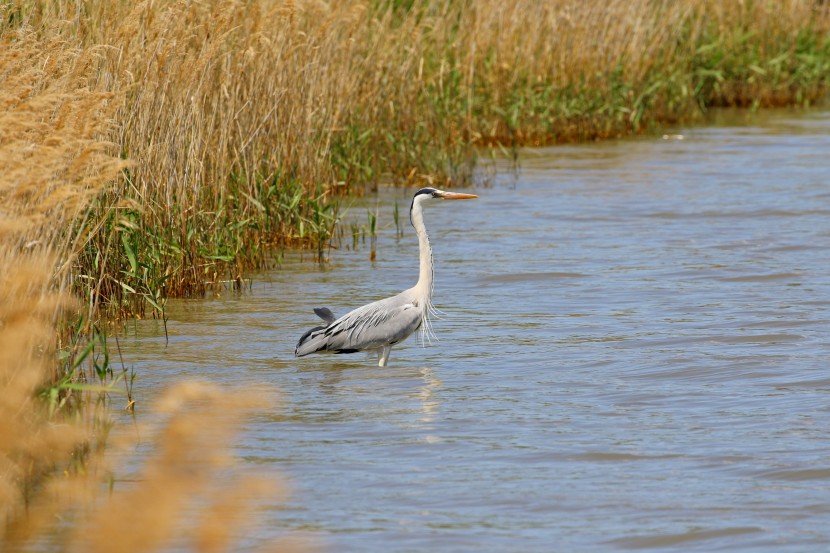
246 120
56 162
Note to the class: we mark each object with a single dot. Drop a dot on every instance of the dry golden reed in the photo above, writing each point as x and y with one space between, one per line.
51 129
246 118
55 160
189 491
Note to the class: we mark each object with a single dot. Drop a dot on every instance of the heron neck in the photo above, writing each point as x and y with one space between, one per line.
425 277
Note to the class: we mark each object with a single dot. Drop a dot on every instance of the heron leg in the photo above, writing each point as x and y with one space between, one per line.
384 356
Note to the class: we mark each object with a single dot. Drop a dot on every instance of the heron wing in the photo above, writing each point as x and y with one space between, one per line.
372 326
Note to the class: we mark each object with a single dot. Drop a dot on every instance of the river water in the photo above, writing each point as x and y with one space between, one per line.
634 355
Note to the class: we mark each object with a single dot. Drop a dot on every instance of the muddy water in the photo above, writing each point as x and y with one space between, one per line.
635 355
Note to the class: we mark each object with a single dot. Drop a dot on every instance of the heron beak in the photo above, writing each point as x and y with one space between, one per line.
456 196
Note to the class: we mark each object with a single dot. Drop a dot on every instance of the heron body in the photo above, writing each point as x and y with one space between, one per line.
380 325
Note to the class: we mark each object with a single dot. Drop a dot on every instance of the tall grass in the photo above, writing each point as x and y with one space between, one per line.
245 120
55 161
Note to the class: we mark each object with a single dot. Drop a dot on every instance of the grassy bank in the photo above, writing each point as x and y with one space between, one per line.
162 148
245 120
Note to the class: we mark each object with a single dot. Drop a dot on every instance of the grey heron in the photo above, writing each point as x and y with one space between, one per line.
378 326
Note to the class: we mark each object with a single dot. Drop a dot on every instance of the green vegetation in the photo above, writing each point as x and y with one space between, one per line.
244 122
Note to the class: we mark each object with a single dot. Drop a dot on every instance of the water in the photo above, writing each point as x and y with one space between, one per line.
634 356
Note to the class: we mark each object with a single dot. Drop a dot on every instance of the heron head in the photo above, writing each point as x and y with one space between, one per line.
431 193
435 193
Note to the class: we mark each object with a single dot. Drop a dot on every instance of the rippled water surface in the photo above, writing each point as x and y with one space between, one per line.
634 356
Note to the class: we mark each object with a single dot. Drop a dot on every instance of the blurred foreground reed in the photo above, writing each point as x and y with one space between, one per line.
54 470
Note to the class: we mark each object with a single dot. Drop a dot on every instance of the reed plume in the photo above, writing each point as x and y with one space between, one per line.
53 463
247 119
54 160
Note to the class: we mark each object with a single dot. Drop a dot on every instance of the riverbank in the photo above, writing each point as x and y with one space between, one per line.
245 122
